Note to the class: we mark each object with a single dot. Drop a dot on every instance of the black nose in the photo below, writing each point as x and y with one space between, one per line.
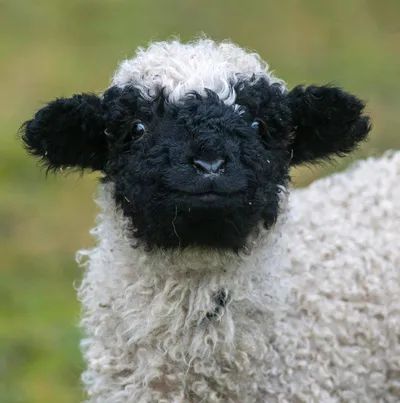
209 167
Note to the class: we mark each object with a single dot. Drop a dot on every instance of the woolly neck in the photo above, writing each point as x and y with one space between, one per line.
119 257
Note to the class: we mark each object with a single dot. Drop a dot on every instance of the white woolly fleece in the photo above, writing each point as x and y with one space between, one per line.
179 68
313 312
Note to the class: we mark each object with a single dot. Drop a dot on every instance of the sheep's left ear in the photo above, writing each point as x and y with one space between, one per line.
68 132
327 121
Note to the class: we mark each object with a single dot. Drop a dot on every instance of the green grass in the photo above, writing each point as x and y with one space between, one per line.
51 48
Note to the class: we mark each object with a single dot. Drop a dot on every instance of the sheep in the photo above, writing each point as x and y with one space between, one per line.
211 281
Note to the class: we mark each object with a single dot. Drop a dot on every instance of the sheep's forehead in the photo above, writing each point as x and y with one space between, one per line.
179 68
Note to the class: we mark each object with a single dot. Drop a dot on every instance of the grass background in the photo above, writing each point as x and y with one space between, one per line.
51 48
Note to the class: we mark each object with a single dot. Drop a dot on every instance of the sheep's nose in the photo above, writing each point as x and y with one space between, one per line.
209 167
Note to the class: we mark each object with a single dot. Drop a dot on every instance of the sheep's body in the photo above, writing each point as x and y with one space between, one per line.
313 311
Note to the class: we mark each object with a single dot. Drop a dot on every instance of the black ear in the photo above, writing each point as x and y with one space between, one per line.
327 121
68 132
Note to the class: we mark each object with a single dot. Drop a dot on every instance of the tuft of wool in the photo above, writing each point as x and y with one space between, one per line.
312 310
179 68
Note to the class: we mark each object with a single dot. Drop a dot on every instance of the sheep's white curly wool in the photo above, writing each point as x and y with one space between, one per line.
313 312
178 68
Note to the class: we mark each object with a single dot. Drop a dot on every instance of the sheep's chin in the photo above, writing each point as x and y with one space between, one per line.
202 260
116 229
191 259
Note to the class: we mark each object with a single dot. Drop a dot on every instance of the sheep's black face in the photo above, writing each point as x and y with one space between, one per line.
200 172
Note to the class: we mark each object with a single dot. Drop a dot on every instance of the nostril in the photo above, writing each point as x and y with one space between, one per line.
218 166
209 167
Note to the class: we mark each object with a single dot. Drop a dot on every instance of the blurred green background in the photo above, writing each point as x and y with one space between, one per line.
54 48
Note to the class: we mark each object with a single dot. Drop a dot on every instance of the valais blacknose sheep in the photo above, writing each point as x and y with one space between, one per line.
208 283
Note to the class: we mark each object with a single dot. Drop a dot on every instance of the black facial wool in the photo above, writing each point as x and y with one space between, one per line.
198 170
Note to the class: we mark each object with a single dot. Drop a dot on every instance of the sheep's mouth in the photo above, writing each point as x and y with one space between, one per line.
207 190
210 194
208 198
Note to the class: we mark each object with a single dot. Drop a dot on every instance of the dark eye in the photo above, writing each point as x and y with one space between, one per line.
138 128
260 126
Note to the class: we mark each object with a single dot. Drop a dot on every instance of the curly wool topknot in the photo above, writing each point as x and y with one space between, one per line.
181 68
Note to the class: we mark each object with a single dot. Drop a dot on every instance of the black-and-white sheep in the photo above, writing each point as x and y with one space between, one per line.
208 283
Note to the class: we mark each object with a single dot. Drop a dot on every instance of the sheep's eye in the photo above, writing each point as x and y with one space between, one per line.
260 126
138 128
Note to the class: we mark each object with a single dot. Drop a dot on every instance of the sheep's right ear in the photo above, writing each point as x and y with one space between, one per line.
68 132
327 121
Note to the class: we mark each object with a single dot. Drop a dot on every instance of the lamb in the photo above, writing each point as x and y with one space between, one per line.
209 282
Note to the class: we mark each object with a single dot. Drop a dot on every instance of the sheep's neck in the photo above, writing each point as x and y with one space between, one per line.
173 292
